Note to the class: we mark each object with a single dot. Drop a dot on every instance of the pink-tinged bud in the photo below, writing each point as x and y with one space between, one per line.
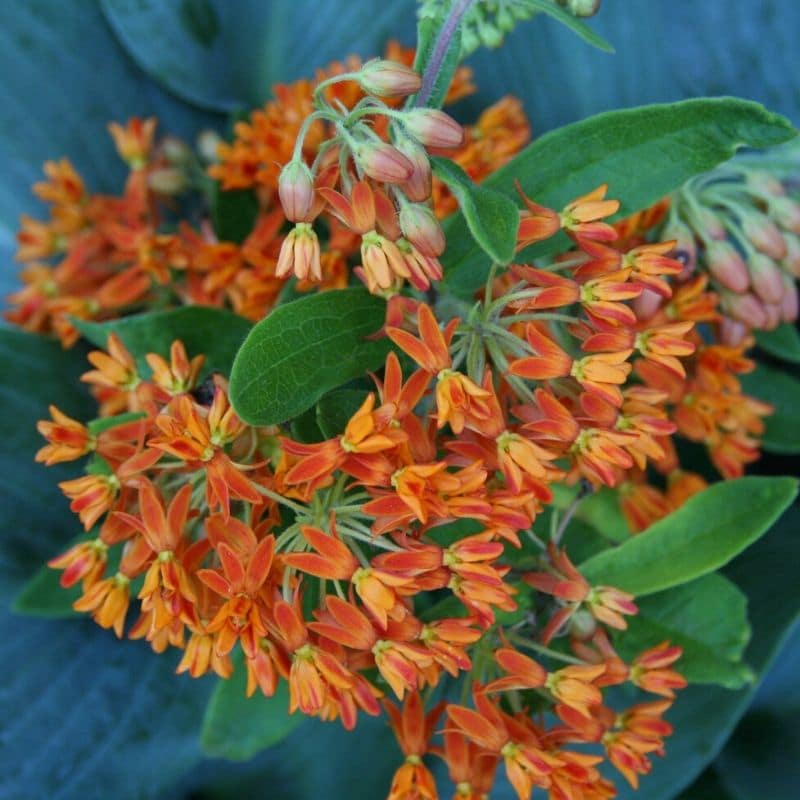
747 308
732 332
418 187
790 301
208 143
167 181
786 212
176 151
764 235
791 261
766 278
727 266
706 222
296 191
773 314
382 162
646 304
420 226
433 128
761 181
300 254
388 78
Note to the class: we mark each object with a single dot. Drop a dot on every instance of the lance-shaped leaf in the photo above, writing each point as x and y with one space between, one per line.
783 342
673 141
491 217
701 536
214 332
782 432
304 349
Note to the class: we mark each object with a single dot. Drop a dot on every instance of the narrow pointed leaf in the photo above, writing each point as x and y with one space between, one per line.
782 432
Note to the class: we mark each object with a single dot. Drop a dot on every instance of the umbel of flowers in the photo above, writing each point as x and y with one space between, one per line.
378 569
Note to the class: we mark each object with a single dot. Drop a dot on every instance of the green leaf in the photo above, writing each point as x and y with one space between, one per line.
233 213
707 618
491 217
98 426
704 717
602 511
236 726
428 30
302 350
575 24
783 342
701 536
782 431
672 141
214 332
335 409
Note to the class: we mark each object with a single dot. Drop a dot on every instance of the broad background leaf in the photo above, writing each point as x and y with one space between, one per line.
303 349
782 433
783 342
701 536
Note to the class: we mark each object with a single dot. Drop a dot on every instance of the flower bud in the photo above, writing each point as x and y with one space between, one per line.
732 332
582 625
791 261
766 278
418 187
764 234
208 143
685 247
388 78
746 308
773 314
176 151
646 304
167 181
762 182
706 222
433 128
786 212
581 8
790 303
296 191
382 162
420 226
727 266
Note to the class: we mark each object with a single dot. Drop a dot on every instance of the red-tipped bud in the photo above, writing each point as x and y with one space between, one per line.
732 332
746 308
296 191
764 183
706 222
422 229
764 234
790 300
766 277
791 261
433 128
382 162
418 187
727 266
388 78
786 212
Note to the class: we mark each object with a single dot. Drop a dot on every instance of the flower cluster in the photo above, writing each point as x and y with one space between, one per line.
374 568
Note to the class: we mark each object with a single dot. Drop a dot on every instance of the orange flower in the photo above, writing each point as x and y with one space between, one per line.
574 686
91 495
550 360
134 141
115 369
581 218
107 600
180 375
85 561
68 439
650 670
523 672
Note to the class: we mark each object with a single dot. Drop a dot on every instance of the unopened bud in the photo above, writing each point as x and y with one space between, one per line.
382 162
208 143
707 223
176 151
764 234
418 187
433 128
747 308
420 226
685 247
790 303
581 8
791 261
772 311
646 304
732 332
388 78
296 191
727 266
762 182
786 212
167 181
582 625
766 278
